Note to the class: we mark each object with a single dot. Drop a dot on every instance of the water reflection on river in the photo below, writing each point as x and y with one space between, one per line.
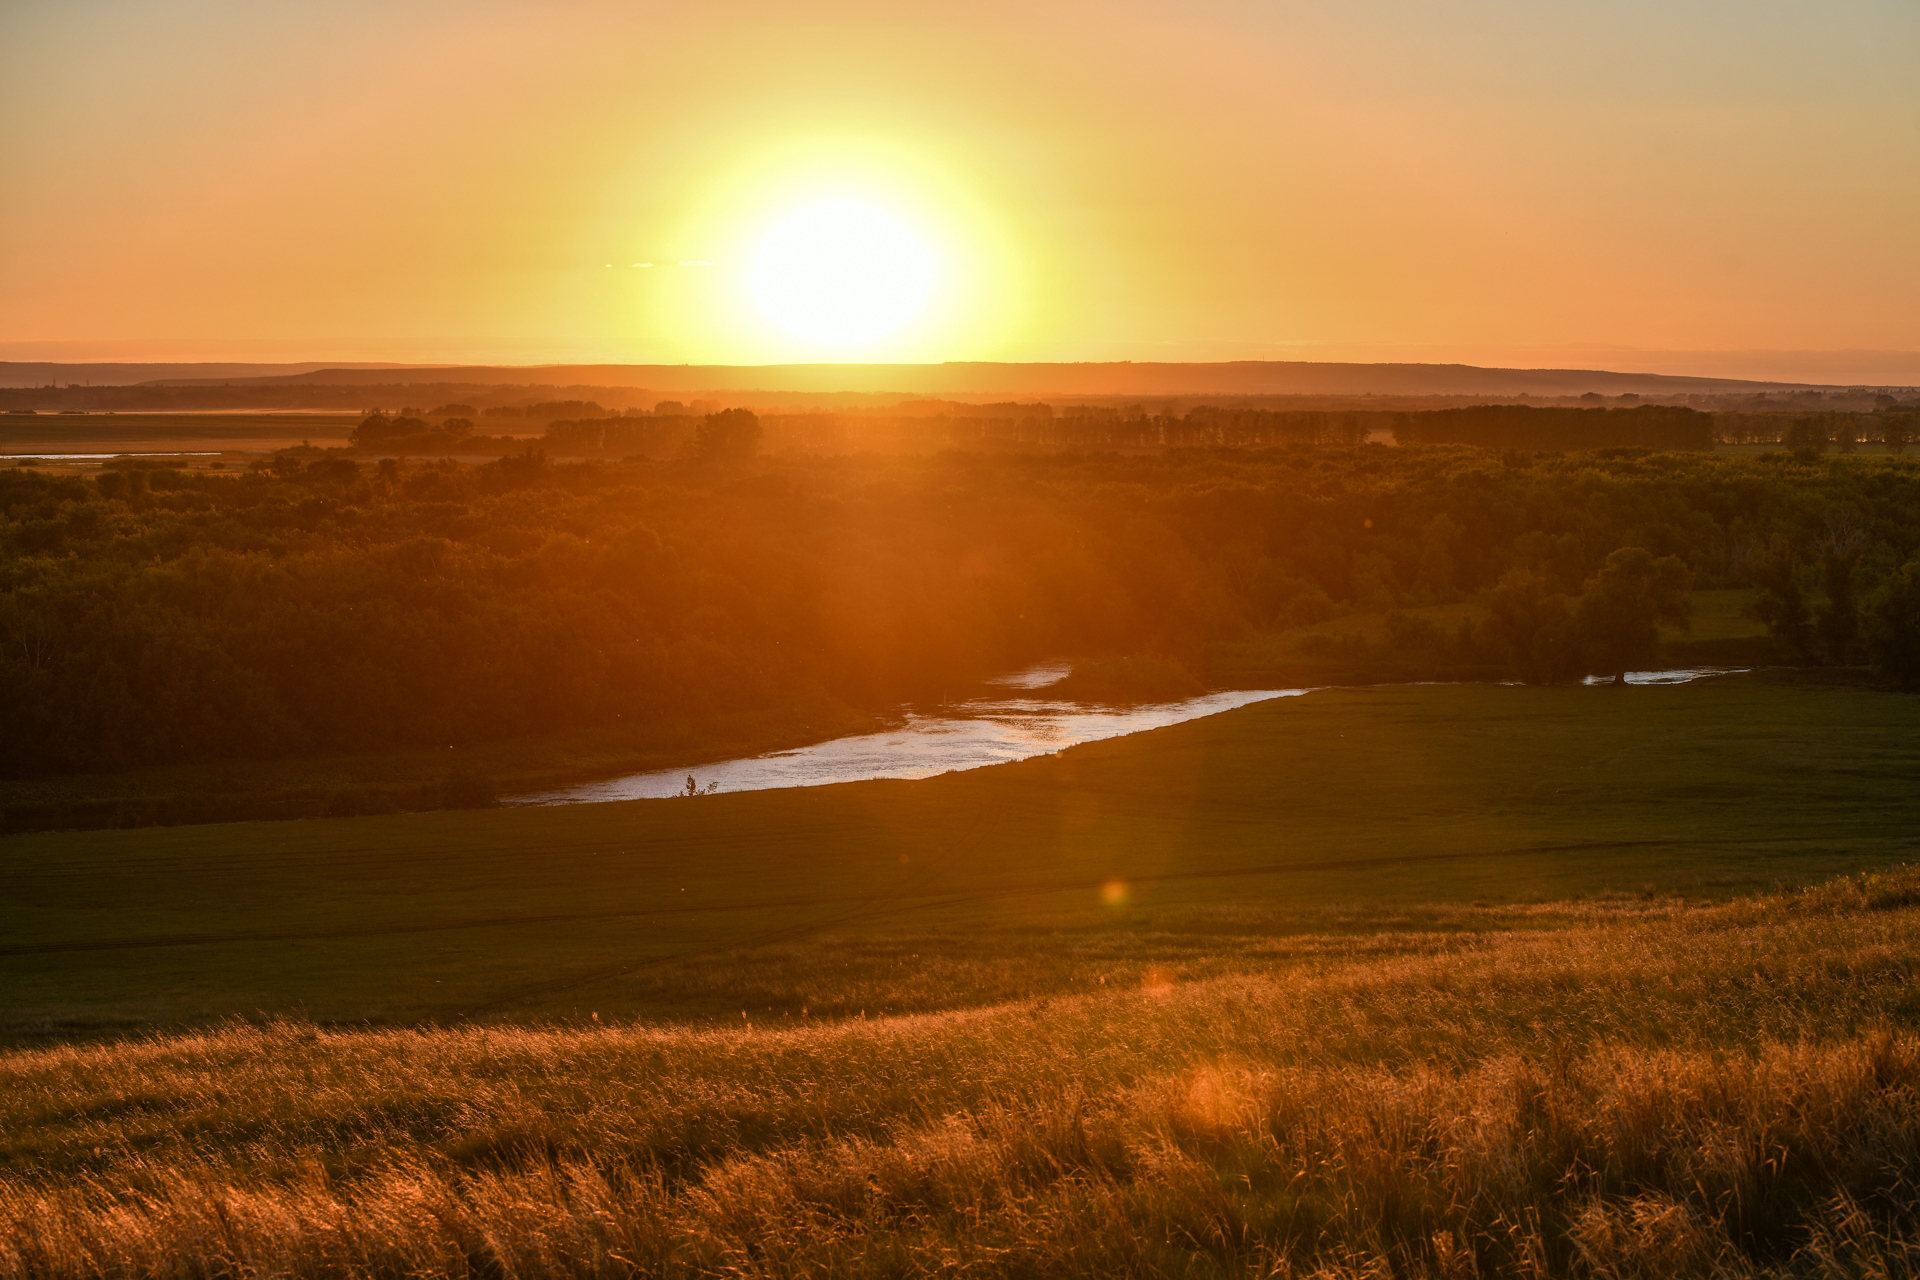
971 735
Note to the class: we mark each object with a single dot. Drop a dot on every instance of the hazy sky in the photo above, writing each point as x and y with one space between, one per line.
414 180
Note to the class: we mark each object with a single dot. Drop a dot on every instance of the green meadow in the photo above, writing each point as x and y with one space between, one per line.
1192 850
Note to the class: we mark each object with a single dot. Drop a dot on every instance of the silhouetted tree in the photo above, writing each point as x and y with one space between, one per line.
373 428
1620 613
731 436
1807 433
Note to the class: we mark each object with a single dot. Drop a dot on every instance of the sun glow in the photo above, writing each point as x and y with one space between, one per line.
842 273
833 249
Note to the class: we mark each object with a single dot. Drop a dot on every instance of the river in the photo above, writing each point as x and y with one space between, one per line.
985 731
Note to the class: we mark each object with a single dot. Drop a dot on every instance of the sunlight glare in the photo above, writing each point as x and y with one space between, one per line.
842 273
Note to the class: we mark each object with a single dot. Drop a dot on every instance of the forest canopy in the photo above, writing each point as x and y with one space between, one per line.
1519 426
333 604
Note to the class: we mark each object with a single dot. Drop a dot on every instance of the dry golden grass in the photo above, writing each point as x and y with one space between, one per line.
1607 1090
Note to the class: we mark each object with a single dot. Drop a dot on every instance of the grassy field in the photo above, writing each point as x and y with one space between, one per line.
1613 1089
1398 981
1037 879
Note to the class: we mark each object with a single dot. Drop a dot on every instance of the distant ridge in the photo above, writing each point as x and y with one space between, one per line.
1238 377
38 373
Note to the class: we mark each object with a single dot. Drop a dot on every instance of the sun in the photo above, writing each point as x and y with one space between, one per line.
841 273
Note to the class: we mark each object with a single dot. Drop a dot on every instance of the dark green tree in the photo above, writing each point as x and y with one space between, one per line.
1893 635
1619 615
1532 626
1782 606
1839 621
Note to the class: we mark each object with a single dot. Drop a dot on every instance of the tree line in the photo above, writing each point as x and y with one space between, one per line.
584 428
326 603
1531 428
1519 426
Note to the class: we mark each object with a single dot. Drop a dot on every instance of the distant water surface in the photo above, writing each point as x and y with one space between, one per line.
972 735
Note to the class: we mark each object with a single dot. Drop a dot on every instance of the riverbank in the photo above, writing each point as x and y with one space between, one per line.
456 777
1354 650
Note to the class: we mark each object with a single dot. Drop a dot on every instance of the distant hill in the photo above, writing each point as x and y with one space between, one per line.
1238 377
41 373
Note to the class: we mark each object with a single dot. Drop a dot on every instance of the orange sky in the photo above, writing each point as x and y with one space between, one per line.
1498 182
